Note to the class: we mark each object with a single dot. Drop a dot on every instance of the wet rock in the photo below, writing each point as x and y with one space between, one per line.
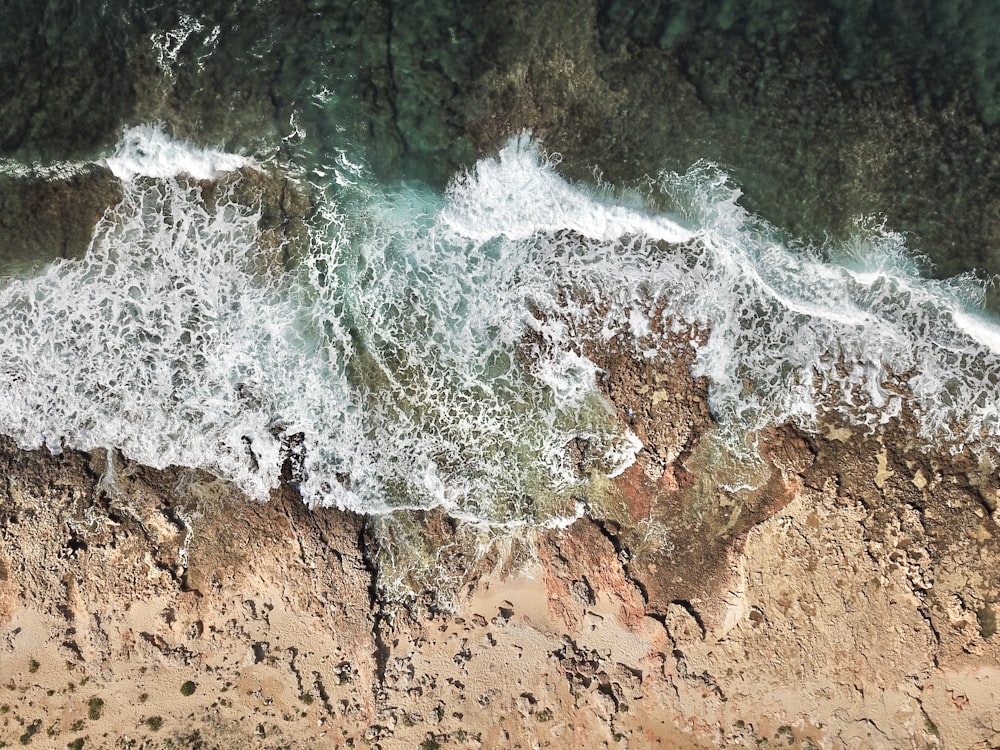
45 217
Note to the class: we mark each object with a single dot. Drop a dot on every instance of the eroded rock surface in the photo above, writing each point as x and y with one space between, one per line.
140 604
848 601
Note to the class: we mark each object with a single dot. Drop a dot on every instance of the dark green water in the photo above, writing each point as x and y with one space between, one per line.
820 111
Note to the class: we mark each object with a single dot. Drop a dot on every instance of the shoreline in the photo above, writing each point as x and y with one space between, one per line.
849 602
848 599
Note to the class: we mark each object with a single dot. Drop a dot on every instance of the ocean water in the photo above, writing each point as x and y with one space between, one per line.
391 364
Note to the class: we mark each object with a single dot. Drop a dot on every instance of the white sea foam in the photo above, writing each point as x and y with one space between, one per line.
984 333
60 170
785 327
394 349
527 197
146 151
168 43
144 343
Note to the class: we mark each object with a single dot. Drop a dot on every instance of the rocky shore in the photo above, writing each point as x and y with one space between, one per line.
849 601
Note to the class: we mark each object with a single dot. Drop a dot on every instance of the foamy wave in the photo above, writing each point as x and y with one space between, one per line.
790 335
526 196
390 357
148 343
61 170
389 366
146 151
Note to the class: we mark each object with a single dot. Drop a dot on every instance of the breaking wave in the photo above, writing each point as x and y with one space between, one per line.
390 367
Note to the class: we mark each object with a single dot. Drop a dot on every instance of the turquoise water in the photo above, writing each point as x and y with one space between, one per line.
419 344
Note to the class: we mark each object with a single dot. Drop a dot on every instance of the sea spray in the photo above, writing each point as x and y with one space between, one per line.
391 355
395 363
147 151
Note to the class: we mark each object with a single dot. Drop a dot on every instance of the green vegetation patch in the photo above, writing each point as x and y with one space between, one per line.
94 708
987 617
32 730
785 732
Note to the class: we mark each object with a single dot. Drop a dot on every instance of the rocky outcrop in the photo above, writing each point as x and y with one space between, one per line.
849 600
137 603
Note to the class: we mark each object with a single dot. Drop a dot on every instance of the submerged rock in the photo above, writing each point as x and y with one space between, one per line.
789 101
50 214
44 217
822 113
